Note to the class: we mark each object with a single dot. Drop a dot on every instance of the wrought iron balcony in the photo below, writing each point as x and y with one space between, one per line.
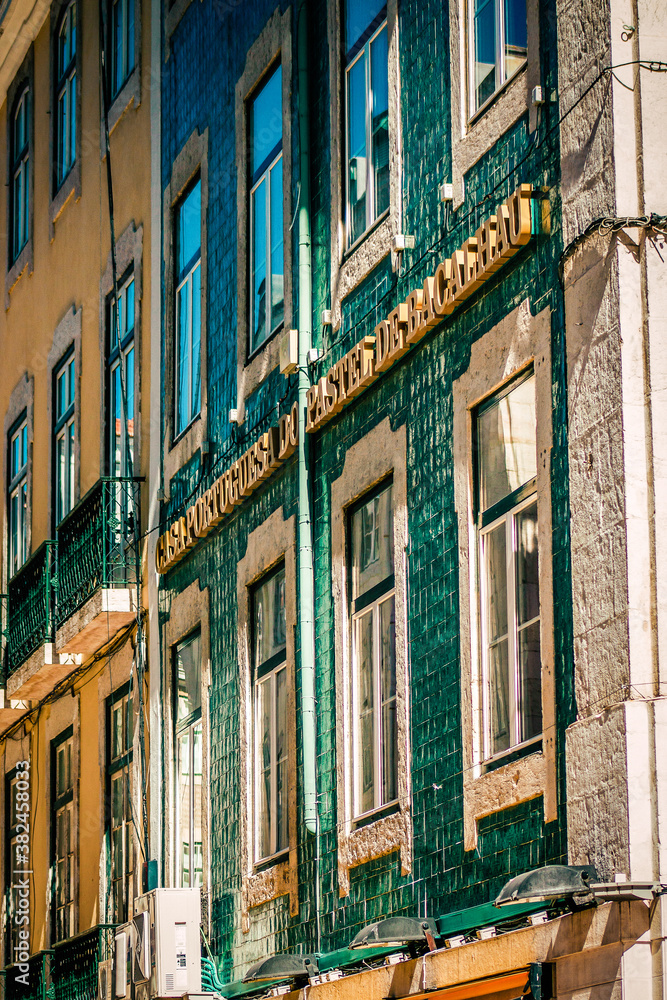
76 963
68 971
30 606
96 548
74 594
39 979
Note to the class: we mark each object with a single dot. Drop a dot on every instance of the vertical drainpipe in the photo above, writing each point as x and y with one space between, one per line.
305 540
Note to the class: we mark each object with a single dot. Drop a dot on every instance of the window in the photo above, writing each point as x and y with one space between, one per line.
119 804
373 653
267 299
270 717
18 497
367 111
64 437
66 94
122 43
20 174
188 739
508 558
62 798
498 45
188 308
121 383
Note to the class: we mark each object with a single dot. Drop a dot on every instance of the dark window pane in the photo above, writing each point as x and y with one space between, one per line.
380 121
516 35
269 618
499 692
372 543
530 682
506 444
495 581
266 126
188 677
359 15
189 228
527 571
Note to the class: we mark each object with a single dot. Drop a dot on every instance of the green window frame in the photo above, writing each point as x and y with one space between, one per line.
120 820
62 836
188 746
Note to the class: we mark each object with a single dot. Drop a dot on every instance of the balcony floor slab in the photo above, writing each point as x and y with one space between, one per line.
40 673
97 622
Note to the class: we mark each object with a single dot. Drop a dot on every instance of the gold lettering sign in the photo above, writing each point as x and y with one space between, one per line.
230 489
455 279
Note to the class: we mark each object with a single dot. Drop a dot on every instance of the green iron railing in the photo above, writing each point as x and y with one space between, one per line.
30 606
76 963
39 979
96 544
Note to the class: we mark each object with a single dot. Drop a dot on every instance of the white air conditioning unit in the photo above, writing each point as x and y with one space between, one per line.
122 962
166 944
105 980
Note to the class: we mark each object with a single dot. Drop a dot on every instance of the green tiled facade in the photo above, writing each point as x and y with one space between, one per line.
417 394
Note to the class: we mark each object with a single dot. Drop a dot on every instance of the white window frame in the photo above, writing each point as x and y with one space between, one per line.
515 718
18 499
20 191
121 355
127 17
192 355
66 96
371 214
187 728
378 705
271 677
64 438
64 809
265 176
500 77
121 872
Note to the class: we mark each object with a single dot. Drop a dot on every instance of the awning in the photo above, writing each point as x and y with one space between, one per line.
508 986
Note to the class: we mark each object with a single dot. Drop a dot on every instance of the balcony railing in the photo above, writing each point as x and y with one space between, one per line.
96 547
30 606
68 971
39 979
76 962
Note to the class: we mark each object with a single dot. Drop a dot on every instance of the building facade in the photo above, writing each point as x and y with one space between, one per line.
397 566
75 334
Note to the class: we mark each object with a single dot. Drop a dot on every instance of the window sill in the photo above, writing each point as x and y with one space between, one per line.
381 835
377 814
271 861
514 753
268 884
172 18
129 93
23 260
358 262
70 185
360 240
495 96
186 430
265 343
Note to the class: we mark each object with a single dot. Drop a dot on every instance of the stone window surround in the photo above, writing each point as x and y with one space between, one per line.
65 712
71 184
129 250
273 44
130 93
506 349
378 454
24 78
475 136
189 612
350 267
172 17
116 675
192 160
66 335
21 401
270 543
